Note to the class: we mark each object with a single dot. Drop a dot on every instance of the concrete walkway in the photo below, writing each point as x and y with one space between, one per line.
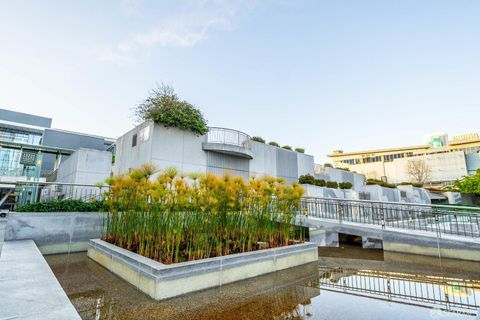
28 287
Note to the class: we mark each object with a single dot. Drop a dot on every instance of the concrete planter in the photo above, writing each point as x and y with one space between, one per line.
162 281
55 232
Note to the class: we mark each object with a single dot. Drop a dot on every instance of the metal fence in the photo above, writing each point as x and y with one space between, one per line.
22 193
228 136
442 219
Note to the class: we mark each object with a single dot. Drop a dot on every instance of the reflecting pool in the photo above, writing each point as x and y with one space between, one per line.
346 283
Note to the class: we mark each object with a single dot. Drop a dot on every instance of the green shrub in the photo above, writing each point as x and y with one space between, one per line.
413 184
68 205
258 139
344 169
300 150
163 106
328 165
345 185
380 183
287 148
306 179
320 182
273 143
332 184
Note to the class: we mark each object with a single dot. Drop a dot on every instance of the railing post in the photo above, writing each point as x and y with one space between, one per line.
382 215
340 212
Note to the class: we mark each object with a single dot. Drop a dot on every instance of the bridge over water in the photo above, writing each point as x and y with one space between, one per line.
435 230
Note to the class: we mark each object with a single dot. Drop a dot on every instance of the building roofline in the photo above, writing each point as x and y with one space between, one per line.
353 153
83 134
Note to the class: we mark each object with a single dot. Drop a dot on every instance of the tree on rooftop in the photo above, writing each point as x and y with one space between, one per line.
164 106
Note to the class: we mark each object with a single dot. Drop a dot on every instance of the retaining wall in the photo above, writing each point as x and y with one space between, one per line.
55 232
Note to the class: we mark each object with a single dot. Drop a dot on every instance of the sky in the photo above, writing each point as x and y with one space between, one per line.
323 75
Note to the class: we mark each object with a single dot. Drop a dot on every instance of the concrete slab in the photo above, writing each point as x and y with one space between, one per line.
28 288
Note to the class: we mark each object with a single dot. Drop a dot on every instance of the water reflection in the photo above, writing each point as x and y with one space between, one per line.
334 288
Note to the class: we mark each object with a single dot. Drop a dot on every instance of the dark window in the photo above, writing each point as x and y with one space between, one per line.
134 140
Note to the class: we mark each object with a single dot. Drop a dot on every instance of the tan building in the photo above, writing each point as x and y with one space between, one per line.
444 161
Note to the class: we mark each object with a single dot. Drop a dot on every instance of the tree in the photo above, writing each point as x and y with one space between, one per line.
418 171
163 106
469 184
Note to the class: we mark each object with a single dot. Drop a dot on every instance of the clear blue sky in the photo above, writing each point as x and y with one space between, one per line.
318 74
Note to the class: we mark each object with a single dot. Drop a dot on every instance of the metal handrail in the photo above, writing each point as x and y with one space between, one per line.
228 136
400 203
458 221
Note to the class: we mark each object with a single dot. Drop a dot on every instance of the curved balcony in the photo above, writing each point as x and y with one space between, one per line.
228 141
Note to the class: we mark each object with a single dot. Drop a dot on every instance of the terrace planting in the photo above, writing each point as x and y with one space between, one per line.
173 218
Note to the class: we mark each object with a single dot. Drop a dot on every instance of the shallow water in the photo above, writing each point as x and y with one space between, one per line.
346 283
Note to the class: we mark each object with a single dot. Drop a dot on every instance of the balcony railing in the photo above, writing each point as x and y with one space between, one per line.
228 141
228 136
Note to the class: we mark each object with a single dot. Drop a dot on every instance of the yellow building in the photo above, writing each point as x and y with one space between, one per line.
444 160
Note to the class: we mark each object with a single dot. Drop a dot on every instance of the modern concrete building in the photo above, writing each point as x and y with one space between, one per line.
30 150
221 151
446 160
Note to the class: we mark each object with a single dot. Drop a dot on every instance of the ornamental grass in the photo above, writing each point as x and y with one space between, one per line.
174 218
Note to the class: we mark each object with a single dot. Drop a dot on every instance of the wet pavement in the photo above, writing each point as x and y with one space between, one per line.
346 283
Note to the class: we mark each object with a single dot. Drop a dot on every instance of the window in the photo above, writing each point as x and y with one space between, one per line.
134 140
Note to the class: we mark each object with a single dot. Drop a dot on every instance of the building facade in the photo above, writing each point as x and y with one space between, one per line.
445 160
221 151
30 150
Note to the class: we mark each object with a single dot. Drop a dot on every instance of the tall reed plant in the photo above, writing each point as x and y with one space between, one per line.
173 218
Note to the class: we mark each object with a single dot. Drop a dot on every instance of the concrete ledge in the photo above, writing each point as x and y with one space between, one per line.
55 232
229 149
162 281
28 288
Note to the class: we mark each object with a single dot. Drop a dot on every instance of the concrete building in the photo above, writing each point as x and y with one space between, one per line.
446 160
30 150
221 151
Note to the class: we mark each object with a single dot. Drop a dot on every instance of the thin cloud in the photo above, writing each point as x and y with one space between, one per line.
185 29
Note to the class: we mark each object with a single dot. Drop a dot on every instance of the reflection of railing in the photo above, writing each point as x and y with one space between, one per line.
448 294
454 220
228 136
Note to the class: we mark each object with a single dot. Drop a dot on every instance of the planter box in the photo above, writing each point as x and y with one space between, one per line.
162 281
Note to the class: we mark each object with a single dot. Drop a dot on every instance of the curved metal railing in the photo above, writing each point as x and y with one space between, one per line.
228 136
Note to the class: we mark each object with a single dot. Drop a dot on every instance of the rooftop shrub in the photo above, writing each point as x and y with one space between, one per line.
273 143
332 184
165 107
65 205
345 185
287 148
306 179
380 183
414 184
320 182
176 218
328 165
258 139
300 150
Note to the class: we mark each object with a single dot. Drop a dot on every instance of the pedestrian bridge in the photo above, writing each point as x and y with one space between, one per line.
438 230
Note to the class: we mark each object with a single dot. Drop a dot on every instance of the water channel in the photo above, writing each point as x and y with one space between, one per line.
346 283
